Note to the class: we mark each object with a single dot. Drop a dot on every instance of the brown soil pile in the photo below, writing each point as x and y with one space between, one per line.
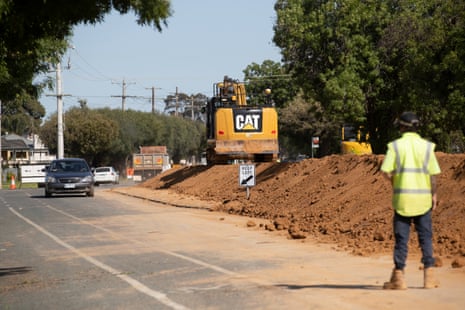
336 199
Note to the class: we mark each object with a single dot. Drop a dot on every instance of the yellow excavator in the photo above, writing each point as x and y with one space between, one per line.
355 140
238 131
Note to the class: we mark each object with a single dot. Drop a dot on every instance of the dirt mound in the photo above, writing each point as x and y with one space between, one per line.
336 199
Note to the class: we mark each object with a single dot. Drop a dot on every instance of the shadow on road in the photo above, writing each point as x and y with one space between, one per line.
14 270
331 286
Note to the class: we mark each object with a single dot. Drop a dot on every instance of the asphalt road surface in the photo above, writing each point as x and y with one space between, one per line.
118 252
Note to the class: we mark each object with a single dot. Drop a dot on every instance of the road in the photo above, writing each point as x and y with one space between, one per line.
114 251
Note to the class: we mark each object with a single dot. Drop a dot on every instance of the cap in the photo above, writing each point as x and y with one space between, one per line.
408 119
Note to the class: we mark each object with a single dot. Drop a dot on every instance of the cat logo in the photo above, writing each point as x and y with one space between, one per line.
247 120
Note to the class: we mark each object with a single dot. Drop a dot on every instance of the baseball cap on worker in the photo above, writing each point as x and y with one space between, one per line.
408 119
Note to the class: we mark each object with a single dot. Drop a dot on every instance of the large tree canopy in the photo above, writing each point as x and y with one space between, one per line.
87 134
34 34
367 61
424 47
23 115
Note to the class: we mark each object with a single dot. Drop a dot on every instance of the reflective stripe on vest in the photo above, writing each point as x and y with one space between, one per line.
411 191
423 169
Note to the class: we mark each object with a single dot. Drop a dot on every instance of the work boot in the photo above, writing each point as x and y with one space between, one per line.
430 280
397 281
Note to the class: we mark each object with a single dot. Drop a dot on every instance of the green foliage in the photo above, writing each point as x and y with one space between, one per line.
425 47
299 121
188 106
87 134
34 34
182 137
23 115
271 75
367 61
331 49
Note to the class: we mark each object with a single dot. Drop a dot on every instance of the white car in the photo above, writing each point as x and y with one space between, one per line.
104 175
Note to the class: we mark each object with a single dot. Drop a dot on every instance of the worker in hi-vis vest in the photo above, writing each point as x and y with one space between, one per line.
411 166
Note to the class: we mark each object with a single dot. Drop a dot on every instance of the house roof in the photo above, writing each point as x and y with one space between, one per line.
14 142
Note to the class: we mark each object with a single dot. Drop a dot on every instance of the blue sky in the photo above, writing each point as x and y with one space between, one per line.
204 40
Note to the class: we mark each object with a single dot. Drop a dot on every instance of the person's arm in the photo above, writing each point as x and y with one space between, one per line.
433 191
389 164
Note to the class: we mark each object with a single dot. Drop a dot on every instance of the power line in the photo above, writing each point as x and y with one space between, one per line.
91 66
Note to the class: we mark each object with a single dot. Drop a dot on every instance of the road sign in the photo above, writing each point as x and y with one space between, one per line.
247 175
315 142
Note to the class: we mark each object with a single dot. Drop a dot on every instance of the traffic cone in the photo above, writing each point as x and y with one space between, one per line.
12 183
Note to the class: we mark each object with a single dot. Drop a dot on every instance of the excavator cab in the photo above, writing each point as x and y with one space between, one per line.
230 92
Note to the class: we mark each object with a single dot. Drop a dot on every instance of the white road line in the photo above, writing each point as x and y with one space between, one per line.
133 282
190 259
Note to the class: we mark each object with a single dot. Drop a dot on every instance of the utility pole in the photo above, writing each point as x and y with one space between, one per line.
153 98
124 96
192 102
60 140
59 95
176 108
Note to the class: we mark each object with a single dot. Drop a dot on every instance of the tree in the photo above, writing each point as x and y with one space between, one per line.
269 75
34 34
87 134
193 109
424 47
23 115
136 129
299 121
331 49
367 61
182 136
187 106
175 103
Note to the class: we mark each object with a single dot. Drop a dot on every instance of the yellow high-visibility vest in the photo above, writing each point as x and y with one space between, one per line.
412 161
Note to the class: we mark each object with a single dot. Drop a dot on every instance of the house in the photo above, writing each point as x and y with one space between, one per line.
17 150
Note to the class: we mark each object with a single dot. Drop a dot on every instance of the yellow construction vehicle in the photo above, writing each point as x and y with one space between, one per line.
355 141
237 131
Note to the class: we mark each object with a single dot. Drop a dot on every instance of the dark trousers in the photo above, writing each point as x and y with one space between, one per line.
424 227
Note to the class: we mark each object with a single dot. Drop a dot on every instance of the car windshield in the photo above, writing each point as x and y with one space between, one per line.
102 170
69 166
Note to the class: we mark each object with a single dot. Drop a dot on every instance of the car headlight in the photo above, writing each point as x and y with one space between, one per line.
88 179
50 179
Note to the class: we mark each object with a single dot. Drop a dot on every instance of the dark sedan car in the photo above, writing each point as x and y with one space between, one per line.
69 176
